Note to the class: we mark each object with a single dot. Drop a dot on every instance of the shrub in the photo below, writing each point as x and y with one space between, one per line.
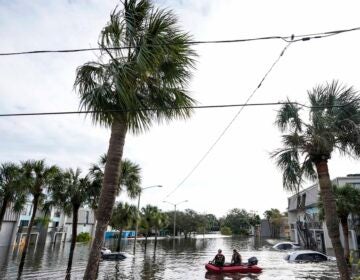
83 237
226 231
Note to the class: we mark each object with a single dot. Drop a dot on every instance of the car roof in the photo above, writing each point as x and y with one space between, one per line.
305 252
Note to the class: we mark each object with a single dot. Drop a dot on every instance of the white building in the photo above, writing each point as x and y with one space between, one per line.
303 215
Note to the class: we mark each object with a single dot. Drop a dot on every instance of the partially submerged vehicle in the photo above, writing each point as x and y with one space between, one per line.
308 256
106 254
286 246
249 267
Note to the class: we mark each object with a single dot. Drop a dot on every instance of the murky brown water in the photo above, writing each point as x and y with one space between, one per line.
174 259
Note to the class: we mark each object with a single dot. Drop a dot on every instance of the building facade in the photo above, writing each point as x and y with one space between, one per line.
307 229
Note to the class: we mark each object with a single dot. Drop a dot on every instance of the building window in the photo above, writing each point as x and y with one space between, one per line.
87 217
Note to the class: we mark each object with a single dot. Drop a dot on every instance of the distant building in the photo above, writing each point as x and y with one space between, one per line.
9 227
56 227
305 225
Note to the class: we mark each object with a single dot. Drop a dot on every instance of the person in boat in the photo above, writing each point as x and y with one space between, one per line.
219 259
236 258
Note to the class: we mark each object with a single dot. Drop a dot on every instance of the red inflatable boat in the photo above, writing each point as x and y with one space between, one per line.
227 268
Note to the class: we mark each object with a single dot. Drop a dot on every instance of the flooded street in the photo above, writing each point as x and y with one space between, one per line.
174 259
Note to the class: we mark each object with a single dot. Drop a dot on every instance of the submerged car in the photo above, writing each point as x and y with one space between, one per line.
308 256
286 246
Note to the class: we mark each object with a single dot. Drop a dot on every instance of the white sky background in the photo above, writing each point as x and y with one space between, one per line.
238 172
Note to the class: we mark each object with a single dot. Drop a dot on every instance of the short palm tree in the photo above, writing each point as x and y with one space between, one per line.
347 199
131 88
334 124
70 192
11 189
123 215
130 176
160 220
149 215
37 176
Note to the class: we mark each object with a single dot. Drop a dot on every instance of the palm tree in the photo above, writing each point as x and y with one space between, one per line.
347 200
131 88
334 124
130 176
11 189
160 221
70 192
149 215
123 216
37 176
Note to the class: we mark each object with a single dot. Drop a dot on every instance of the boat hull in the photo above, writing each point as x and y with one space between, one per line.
233 268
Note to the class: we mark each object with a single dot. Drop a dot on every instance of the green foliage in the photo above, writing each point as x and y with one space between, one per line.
42 221
123 216
347 200
239 221
334 124
151 74
83 237
130 176
225 230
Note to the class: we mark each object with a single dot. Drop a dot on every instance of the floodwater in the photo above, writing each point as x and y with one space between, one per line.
174 259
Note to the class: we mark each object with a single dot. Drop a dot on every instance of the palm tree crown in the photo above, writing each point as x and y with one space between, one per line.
334 119
149 74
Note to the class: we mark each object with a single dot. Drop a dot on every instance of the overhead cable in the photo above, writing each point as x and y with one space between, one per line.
292 38
172 108
230 123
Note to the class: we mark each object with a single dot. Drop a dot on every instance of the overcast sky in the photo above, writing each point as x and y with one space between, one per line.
238 172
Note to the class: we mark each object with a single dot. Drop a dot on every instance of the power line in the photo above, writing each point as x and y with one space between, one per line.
230 123
292 38
173 108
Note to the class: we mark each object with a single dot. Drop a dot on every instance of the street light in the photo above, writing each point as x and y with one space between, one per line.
138 209
174 204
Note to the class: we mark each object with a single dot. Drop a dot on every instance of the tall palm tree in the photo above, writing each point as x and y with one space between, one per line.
334 124
70 192
129 89
37 176
122 216
11 189
347 200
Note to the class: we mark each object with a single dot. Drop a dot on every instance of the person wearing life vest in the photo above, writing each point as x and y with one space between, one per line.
236 258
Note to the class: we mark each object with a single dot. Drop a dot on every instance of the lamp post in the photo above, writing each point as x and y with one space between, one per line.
175 204
138 209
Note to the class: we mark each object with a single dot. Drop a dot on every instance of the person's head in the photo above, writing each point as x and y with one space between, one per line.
219 251
234 251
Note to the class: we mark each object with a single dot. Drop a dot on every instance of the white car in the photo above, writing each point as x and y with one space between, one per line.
307 256
286 246
105 251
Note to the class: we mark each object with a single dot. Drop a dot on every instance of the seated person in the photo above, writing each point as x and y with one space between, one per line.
236 258
219 259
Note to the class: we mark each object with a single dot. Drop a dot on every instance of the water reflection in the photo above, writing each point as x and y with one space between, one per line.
172 259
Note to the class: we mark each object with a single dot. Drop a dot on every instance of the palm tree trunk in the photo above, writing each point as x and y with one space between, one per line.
27 239
108 192
119 241
3 210
331 219
345 229
147 233
73 241
156 234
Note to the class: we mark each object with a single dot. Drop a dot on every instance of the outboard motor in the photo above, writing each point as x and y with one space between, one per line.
252 261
